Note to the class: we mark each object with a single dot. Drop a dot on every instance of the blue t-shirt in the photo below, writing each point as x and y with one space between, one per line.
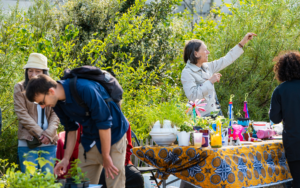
101 117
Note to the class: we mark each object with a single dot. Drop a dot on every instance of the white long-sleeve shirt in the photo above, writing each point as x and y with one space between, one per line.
23 143
195 79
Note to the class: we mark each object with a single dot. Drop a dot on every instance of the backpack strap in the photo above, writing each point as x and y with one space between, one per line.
78 98
43 114
66 134
66 128
76 95
108 100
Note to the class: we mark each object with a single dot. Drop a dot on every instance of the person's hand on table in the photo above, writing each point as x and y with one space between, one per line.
61 167
247 38
109 167
215 78
44 139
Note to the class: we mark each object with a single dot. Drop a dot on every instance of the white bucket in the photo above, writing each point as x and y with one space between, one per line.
183 138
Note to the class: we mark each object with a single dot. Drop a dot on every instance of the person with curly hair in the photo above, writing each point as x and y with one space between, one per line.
285 108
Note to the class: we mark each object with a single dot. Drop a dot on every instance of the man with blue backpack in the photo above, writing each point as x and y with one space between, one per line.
88 96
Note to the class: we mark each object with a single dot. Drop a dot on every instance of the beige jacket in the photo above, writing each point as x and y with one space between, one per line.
195 79
28 117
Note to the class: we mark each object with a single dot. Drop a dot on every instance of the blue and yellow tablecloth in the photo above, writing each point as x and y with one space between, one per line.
262 163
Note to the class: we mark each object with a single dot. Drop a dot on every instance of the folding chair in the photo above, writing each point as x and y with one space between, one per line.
150 169
145 169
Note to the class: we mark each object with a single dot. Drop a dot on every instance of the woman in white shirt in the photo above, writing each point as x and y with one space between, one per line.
199 75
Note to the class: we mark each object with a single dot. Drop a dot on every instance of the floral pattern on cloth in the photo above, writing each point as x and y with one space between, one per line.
243 166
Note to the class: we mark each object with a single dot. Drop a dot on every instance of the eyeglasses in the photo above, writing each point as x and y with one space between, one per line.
41 103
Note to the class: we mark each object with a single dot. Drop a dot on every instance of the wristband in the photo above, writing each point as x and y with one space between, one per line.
241 45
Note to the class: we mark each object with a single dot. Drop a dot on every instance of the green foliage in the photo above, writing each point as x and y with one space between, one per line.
203 122
17 40
76 173
276 23
142 45
73 171
166 111
249 129
3 166
32 178
185 127
77 179
223 120
120 36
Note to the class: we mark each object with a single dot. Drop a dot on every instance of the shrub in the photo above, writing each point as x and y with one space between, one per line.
32 178
276 24
127 45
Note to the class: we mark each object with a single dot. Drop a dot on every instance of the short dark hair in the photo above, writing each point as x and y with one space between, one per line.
189 50
287 66
27 78
39 85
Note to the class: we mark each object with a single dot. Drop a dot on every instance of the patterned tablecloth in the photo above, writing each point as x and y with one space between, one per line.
262 163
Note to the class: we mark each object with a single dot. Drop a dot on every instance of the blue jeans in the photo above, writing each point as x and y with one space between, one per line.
33 156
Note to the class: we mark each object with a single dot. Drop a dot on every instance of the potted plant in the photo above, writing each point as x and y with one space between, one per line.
84 179
249 133
77 182
165 115
184 135
171 111
202 125
214 114
61 181
73 176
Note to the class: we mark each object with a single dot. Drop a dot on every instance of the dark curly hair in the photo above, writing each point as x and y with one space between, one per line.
287 66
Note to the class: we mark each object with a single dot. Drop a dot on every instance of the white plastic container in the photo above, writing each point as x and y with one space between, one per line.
165 139
183 138
198 140
167 126
163 136
156 128
260 125
156 125
174 130
278 128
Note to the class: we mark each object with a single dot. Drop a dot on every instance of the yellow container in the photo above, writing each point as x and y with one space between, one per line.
216 139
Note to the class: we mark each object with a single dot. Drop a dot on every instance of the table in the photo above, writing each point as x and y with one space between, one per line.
260 164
